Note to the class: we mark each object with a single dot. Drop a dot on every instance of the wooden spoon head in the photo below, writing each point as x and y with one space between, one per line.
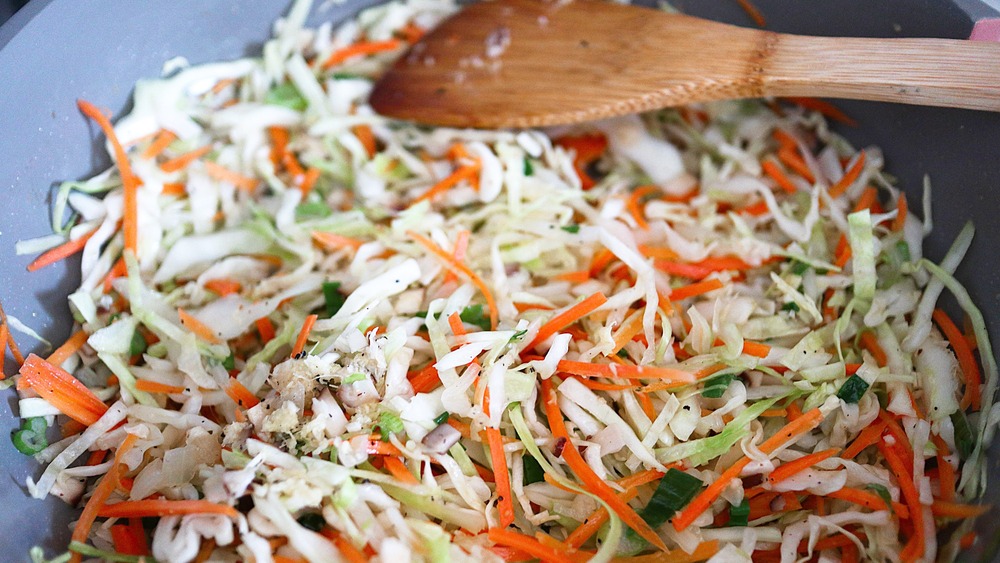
526 63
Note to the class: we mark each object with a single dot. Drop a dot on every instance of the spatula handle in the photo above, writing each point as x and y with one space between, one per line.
934 72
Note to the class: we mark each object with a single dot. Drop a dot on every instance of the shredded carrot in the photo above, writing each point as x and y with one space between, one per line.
181 162
825 108
100 496
579 276
467 172
867 437
266 329
309 180
588 148
367 137
68 348
634 204
591 480
61 389
528 545
126 541
332 241
658 252
346 548
197 327
162 507
756 209
597 518
425 380
870 343
707 496
756 349
222 174
377 447
159 144
279 144
968 540
849 177
564 319
753 12
630 327
868 500
705 550
966 359
704 268
695 289
790 468
946 473
789 156
156 387
61 252
398 470
241 395
868 198
117 271
457 328
600 260
956 510
300 342
361 48
778 175
601 386
501 473
627 371
223 286
460 267
914 548
842 253
411 32
461 247
899 221
130 182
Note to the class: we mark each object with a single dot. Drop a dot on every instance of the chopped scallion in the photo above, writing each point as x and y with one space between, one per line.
852 389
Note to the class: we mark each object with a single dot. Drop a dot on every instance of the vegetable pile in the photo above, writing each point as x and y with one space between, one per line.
306 332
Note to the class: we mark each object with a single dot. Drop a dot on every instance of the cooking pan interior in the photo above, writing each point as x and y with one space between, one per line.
55 51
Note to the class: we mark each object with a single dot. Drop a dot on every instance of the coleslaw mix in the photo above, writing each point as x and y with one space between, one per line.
306 332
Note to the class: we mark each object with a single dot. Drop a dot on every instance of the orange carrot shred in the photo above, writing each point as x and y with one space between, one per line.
333 241
915 545
457 328
870 343
790 468
425 380
197 327
359 49
367 137
241 395
946 473
902 209
756 349
460 267
279 144
825 108
130 182
658 252
162 507
869 198
571 315
300 342
956 510
596 485
265 329
61 252
61 389
68 348
634 204
181 162
695 289
849 177
223 286
775 173
966 359
222 174
398 470
159 144
625 371
868 500
346 548
100 495
467 172
631 327
157 387
597 518
309 180
528 545
867 437
790 157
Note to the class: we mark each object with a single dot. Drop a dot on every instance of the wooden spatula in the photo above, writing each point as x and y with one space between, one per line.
523 63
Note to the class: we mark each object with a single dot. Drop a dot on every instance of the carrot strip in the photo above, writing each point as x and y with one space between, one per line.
634 204
460 267
457 328
968 540
789 156
756 349
753 12
707 496
197 327
957 510
628 330
300 342
175 189
118 270
695 289
870 342
156 387
596 485
578 276
600 260
527 544
61 252
571 315
377 447
358 49
825 108
130 182
467 173
223 286
332 241
266 329
222 174
757 209
346 548
159 144
601 386
68 348
425 380
398 470
367 137
61 389
461 247
914 548
901 211
626 371
279 144
849 177
705 550
869 436
100 495
162 507
868 500
241 395
505 499
966 359
588 148
946 473
126 541
659 252
597 518
774 172
309 180
790 468
181 162
869 197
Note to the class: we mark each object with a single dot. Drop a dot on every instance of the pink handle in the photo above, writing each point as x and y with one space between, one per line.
986 30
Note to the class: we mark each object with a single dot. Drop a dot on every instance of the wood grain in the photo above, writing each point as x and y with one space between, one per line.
525 63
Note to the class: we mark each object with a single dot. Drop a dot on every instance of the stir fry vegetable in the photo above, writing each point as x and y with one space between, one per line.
306 332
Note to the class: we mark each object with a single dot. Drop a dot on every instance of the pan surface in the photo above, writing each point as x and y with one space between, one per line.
55 51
